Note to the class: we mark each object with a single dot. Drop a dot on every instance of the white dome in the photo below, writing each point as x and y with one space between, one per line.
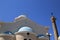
20 16
28 29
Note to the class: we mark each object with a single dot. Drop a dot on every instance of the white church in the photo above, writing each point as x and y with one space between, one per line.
22 28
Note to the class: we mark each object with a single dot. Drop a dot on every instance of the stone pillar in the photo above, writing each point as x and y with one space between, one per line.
53 19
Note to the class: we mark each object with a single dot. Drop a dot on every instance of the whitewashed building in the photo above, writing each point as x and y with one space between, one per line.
22 28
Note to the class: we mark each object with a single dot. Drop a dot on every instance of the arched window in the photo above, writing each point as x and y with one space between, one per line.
29 39
25 39
28 33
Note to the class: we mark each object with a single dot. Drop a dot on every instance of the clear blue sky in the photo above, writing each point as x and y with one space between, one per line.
37 10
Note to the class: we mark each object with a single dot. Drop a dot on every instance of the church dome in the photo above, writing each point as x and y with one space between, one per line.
27 29
21 16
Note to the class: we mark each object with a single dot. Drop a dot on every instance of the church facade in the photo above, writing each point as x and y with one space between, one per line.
23 28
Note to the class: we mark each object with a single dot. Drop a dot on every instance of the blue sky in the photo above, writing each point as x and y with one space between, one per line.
37 10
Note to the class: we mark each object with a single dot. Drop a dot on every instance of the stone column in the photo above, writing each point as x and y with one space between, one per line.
53 19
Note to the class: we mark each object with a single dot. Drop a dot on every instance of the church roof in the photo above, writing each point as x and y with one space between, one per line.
28 29
20 22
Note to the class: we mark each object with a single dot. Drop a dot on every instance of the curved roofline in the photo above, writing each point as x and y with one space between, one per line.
25 28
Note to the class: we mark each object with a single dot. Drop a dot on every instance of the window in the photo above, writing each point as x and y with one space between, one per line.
25 39
28 33
29 39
